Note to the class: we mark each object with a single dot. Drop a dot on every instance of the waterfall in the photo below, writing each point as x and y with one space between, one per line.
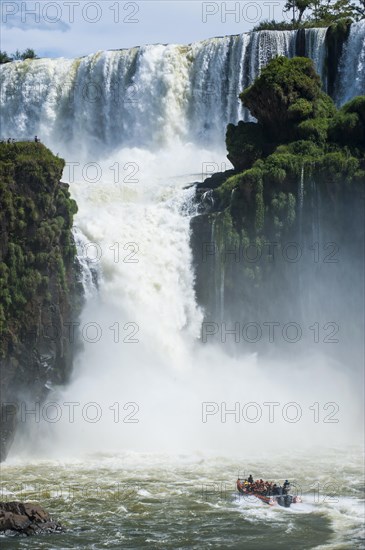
352 65
145 120
265 45
217 274
315 45
89 275
152 95
301 194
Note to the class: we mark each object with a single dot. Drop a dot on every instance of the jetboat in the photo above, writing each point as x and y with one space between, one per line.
282 499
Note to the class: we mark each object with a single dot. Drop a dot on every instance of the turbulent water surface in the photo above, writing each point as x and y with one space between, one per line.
188 501
136 126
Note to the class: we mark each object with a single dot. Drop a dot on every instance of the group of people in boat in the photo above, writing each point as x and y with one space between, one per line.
264 488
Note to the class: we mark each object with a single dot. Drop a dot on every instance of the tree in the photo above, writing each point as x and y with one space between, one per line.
332 10
358 10
16 55
316 7
4 58
300 5
28 54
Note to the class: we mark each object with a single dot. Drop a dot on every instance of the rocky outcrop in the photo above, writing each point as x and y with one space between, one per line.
266 242
39 292
26 519
287 94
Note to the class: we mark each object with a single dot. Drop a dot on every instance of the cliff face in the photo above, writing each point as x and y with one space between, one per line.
282 253
280 239
38 279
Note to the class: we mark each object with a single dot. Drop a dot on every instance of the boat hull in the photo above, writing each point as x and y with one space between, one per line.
282 500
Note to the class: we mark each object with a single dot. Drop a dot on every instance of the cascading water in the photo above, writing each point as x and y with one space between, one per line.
300 202
152 95
151 117
315 42
266 45
88 274
146 115
352 65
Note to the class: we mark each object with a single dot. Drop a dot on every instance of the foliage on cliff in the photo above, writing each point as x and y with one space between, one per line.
287 93
36 248
22 56
299 133
298 182
316 13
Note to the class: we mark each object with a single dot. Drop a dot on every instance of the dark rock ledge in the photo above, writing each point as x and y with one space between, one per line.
18 518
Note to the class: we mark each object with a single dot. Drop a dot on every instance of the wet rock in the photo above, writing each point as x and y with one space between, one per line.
36 346
26 519
215 180
8 424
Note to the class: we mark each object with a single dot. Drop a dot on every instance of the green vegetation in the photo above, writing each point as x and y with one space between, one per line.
287 93
299 134
358 9
298 6
27 54
4 58
37 248
316 13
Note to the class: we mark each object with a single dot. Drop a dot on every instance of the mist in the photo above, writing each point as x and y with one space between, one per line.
151 376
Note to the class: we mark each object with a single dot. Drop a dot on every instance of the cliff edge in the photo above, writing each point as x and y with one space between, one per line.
39 293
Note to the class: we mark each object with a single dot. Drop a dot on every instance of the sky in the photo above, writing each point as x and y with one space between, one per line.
70 28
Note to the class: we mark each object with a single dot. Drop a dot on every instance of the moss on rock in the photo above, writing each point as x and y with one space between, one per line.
299 131
38 272
287 92
36 220
347 128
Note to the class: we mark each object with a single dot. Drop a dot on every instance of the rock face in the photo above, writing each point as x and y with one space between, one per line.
281 233
26 519
39 293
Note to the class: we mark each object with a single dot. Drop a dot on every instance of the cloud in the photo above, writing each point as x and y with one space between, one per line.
104 25
30 16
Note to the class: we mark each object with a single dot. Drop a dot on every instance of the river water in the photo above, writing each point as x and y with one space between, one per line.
168 479
149 500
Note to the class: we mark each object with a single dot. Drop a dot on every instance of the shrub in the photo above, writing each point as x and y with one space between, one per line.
285 88
315 129
348 126
300 109
338 167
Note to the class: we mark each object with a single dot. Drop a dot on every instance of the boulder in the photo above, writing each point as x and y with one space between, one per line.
26 519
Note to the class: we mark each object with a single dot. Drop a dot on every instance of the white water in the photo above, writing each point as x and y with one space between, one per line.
148 96
266 45
352 65
316 49
137 500
157 370
157 114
